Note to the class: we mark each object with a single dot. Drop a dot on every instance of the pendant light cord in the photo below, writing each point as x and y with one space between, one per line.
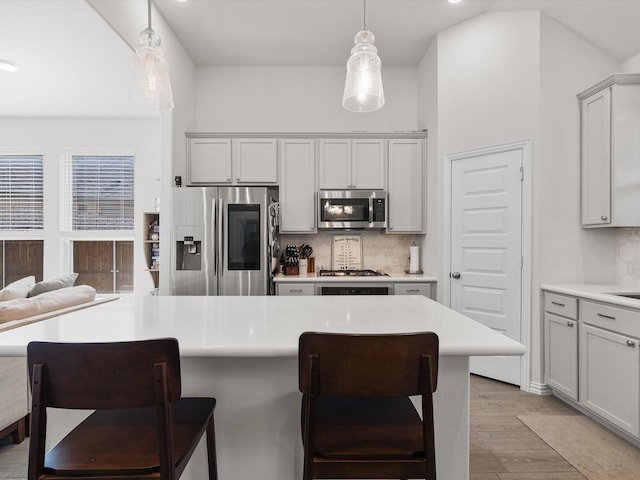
364 14
149 13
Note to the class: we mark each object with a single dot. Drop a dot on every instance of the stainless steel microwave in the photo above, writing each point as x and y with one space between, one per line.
358 209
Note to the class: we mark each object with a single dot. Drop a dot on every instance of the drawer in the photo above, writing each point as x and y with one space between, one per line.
412 289
295 289
561 305
610 317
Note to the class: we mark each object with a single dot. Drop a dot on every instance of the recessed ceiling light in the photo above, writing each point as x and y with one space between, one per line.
455 1
8 66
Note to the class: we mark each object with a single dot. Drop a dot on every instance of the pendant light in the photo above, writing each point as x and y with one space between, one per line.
150 83
363 87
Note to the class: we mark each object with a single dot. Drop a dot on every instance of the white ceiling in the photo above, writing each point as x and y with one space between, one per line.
74 64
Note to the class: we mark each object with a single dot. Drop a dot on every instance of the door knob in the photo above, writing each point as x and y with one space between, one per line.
455 275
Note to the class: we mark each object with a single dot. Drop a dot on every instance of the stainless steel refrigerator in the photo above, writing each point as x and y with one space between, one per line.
222 240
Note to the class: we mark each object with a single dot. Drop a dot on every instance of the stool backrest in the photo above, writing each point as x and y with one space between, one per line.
105 375
372 365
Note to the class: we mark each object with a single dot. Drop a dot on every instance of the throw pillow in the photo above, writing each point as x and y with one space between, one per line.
18 289
62 281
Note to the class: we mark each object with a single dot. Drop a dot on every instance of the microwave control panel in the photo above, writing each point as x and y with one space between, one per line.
379 209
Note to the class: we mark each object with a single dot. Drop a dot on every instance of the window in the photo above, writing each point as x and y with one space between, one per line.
98 192
21 192
21 258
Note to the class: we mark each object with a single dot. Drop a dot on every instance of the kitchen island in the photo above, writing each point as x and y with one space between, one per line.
243 351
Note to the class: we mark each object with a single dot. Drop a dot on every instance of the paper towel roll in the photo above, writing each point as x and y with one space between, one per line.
414 259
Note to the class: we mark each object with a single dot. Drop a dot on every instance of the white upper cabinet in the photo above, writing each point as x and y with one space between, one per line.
209 161
297 185
255 160
610 152
351 163
407 196
250 161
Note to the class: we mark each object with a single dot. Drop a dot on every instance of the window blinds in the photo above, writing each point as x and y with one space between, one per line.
21 192
99 192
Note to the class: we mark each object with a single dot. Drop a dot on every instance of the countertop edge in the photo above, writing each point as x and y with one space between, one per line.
598 292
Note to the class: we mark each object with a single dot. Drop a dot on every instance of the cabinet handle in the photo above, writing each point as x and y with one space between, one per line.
609 317
604 218
409 290
295 290
569 324
631 343
558 303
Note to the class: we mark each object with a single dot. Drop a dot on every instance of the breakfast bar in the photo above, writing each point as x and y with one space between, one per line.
243 351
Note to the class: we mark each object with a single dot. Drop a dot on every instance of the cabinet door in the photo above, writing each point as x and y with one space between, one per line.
610 377
209 161
334 164
297 186
255 160
561 354
368 164
596 158
406 187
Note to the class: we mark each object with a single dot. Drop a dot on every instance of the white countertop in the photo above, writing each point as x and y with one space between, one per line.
391 278
599 292
260 326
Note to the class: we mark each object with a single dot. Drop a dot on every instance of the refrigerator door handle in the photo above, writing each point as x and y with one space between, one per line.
214 222
220 251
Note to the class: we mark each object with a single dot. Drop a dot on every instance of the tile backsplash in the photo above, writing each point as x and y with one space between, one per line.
389 253
628 257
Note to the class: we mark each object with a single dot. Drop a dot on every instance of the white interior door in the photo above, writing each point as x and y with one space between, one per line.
486 250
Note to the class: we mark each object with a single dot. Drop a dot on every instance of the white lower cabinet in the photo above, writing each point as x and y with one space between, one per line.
561 344
592 358
561 354
293 289
610 377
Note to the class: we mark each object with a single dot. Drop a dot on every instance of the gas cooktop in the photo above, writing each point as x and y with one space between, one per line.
352 273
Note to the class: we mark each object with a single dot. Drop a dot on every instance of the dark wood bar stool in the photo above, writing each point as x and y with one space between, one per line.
141 427
357 418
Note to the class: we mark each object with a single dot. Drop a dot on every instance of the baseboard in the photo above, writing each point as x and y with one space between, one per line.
539 388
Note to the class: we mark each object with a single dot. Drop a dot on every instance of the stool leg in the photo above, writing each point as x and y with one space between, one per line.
211 450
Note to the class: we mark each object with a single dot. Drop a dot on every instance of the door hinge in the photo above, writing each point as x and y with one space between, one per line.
521 263
521 174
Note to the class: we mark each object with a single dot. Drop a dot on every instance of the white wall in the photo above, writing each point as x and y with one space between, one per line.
563 251
49 136
508 76
631 65
298 99
431 243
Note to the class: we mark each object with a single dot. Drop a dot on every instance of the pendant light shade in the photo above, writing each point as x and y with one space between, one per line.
150 85
363 90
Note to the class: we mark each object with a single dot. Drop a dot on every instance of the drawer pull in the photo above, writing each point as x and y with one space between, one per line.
609 317
295 290
558 303
569 324
412 290
631 343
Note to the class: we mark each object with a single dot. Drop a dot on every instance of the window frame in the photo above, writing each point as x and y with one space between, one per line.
27 234
66 204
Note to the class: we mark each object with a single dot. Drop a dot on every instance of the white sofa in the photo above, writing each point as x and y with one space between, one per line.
17 312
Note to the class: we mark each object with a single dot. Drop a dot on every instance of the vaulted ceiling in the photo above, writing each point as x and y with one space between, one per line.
74 64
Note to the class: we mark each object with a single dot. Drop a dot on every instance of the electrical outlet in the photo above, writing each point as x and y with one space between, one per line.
395 262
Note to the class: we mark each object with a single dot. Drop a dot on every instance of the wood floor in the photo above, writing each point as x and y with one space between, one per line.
501 446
